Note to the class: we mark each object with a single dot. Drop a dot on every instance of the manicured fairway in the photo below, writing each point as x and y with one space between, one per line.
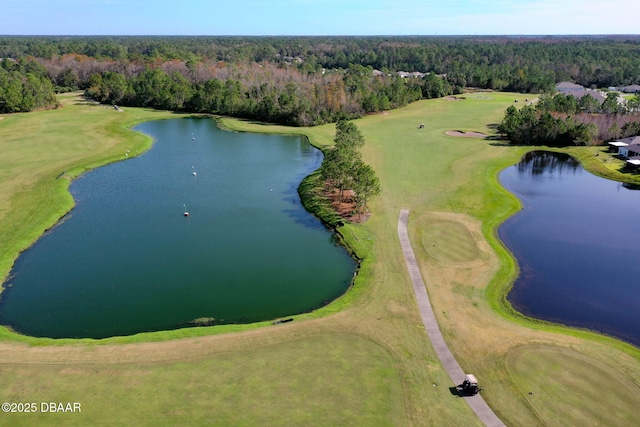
565 382
283 384
363 360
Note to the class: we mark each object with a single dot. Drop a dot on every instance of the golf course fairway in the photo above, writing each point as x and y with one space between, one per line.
362 360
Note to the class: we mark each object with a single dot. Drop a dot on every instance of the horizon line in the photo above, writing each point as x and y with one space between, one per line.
329 35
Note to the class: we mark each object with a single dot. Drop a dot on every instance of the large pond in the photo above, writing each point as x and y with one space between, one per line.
126 259
577 242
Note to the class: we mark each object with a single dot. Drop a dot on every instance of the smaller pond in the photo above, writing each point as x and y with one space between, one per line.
126 260
577 242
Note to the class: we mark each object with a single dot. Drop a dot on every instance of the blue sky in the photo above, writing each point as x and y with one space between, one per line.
317 17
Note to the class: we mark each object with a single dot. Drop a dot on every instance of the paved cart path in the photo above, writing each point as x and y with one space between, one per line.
454 370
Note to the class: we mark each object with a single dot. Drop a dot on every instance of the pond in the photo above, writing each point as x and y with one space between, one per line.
126 259
577 242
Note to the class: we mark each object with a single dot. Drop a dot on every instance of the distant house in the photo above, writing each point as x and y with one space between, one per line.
414 75
627 148
633 163
631 152
614 146
579 91
569 87
630 89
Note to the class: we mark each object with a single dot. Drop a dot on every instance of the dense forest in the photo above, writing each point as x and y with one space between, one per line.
24 86
303 80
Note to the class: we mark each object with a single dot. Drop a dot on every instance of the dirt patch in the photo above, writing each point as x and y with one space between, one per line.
455 98
466 134
345 206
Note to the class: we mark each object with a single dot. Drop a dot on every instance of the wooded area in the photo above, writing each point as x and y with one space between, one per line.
303 80
563 119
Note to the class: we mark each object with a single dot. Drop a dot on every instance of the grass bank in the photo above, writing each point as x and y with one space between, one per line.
364 359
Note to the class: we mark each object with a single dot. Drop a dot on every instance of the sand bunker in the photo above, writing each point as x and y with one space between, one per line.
466 134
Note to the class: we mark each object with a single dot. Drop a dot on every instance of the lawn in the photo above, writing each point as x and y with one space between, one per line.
362 360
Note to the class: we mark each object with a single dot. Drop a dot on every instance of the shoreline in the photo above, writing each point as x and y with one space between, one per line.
496 293
517 313
67 177
320 212
377 309
500 286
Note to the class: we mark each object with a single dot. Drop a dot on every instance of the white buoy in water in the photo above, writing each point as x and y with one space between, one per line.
193 168
185 210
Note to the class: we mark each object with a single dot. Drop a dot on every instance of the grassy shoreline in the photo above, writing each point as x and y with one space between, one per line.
499 288
451 186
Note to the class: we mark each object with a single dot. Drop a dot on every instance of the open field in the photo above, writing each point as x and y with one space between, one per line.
362 360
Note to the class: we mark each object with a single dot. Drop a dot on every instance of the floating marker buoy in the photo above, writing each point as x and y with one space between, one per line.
186 213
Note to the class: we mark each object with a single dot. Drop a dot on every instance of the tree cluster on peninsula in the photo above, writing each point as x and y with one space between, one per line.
343 168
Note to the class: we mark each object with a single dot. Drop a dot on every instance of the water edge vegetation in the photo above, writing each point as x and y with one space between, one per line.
369 361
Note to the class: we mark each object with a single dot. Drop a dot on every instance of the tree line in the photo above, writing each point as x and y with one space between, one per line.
24 86
563 119
264 91
530 126
312 80
523 64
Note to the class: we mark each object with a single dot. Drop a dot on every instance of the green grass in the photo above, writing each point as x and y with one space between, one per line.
562 373
362 360
448 241
255 387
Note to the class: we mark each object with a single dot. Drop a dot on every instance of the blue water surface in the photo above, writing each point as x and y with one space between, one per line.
577 242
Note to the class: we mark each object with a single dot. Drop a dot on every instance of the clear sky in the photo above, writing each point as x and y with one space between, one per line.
318 17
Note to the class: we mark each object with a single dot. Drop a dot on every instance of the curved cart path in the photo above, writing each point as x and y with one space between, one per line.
454 370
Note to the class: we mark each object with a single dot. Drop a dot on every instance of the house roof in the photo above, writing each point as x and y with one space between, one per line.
568 86
579 91
631 88
414 74
594 93
632 140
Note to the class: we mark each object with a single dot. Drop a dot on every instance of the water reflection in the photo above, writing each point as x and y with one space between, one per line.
541 162
576 241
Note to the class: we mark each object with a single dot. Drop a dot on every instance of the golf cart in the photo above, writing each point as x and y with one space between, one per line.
470 385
